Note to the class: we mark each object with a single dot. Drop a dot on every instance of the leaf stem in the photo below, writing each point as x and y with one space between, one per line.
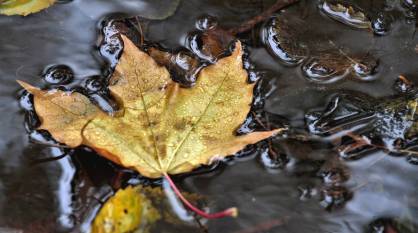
230 212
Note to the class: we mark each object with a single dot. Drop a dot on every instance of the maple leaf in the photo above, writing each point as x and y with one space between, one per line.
135 209
162 128
23 7
128 210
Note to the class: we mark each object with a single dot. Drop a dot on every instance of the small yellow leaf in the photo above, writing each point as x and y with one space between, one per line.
163 128
23 7
128 210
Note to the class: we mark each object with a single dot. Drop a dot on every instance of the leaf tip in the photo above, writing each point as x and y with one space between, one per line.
31 89
275 132
237 47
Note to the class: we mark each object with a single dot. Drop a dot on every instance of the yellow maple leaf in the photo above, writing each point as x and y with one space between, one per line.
163 128
135 209
128 210
23 7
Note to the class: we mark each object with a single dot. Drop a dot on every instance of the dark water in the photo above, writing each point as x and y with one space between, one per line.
376 192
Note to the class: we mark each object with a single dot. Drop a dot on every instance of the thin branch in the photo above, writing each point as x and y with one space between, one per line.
248 25
49 159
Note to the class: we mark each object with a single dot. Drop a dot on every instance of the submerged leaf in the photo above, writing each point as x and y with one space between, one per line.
345 13
128 210
23 7
163 128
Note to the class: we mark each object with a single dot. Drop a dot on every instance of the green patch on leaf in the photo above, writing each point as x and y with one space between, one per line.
127 211
23 7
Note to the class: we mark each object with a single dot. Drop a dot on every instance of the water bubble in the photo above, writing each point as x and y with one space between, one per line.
307 192
335 197
206 22
58 74
26 101
345 13
381 24
94 84
272 159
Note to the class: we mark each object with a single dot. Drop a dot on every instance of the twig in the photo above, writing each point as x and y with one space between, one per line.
230 212
280 4
49 159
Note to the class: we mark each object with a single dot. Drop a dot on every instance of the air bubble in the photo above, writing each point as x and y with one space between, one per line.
94 84
206 22
58 74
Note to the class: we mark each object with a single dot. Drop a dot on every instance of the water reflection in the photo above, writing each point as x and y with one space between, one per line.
65 193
